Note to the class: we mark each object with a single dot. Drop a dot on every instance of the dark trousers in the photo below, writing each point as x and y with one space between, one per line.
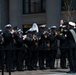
63 58
29 59
48 61
20 54
10 57
1 58
52 57
72 59
32 58
42 55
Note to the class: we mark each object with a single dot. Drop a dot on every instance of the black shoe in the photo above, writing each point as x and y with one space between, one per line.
33 68
42 68
20 69
64 68
53 68
70 72
29 68
47 67
10 70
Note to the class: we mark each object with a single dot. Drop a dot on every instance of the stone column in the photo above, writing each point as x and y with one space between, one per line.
53 9
14 12
0 13
4 13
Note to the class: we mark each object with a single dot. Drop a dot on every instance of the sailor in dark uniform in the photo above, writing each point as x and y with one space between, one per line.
9 46
63 46
46 46
30 43
42 46
34 55
20 51
53 47
1 49
32 47
71 39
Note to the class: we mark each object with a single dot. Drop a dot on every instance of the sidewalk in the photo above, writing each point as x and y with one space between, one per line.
39 72
57 71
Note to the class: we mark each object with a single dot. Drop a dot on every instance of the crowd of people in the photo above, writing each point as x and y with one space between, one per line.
38 48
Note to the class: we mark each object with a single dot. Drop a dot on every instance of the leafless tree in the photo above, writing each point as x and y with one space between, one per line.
68 10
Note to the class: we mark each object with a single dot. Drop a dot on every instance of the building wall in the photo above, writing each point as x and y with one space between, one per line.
51 17
4 13
18 19
34 18
0 13
53 9
14 12
14 16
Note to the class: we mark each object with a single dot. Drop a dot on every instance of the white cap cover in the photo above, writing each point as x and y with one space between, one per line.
72 23
8 25
53 27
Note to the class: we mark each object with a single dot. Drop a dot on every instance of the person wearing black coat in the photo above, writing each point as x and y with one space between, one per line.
30 60
20 51
71 39
9 46
43 50
53 47
1 49
63 46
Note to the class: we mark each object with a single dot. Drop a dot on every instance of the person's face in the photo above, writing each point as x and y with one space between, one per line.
70 27
41 30
53 30
8 29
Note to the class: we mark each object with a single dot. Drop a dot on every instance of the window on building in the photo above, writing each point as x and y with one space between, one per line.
34 6
68 5
74 4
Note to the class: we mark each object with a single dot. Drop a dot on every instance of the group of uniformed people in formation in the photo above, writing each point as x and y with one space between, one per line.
38 49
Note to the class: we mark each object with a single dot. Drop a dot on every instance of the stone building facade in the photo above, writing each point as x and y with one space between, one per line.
14 12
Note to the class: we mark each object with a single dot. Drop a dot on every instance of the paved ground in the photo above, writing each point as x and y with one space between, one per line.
41 72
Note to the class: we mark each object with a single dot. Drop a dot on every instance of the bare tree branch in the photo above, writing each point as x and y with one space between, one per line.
68 10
